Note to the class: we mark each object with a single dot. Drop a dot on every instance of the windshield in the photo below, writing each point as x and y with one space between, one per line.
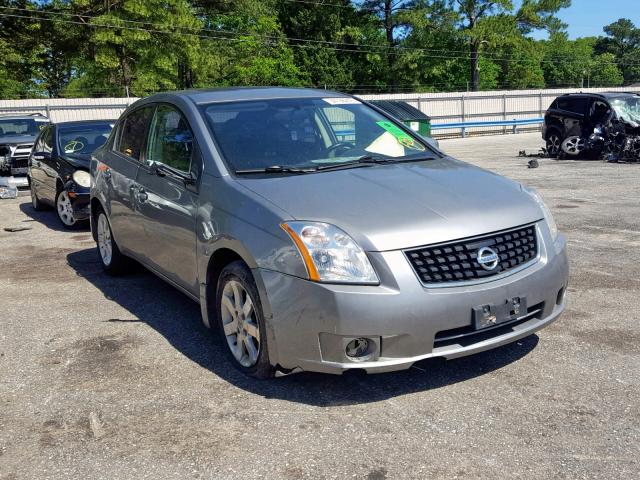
627 109
306 133
83 138
21 126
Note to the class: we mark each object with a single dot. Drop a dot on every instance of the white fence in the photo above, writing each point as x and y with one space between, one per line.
441 107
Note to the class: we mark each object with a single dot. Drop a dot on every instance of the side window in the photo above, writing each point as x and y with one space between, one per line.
47 140
573 104
599 111
132 132
170 139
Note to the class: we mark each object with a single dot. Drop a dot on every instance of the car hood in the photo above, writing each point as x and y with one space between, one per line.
78 160
397 206
16 139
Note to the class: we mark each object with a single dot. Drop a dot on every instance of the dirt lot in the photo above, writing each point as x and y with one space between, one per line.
118 379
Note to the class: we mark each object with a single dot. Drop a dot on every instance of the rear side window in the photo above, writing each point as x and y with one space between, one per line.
132 132
573 104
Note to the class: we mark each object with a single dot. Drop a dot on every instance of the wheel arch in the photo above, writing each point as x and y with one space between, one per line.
553 129
218 260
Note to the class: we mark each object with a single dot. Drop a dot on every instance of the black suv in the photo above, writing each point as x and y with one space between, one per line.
572 118
17 134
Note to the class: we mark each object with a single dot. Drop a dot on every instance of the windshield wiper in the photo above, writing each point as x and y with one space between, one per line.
365 160
276 169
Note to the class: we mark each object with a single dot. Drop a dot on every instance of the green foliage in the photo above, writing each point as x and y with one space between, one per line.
137 47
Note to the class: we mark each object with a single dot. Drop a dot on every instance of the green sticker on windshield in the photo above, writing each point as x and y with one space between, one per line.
403 138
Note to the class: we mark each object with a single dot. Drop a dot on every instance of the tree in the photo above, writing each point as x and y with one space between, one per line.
482 20
623 42
390 14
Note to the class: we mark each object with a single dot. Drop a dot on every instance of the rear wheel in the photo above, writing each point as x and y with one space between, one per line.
35 201
241 321
113 261
553 145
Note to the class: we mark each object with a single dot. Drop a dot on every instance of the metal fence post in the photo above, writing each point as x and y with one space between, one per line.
504 111
48 110
464 131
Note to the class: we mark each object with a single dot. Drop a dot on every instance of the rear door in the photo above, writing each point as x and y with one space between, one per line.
168 196
116 176
574 110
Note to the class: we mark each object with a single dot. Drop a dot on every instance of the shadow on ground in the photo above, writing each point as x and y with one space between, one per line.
49 218
177 318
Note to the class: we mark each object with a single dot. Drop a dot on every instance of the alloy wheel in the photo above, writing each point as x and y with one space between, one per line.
64 208
573 145
240 323
105 245
553 145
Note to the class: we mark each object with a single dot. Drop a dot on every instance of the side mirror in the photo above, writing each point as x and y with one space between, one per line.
41 156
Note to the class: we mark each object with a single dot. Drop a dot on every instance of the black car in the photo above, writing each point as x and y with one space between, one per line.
572 119
59 167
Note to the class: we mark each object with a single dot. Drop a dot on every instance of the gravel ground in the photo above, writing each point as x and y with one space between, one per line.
107 378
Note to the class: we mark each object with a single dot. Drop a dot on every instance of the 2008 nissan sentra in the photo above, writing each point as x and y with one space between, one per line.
319 234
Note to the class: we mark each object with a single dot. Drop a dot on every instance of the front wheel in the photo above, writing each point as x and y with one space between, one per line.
241 321
64 209
113 261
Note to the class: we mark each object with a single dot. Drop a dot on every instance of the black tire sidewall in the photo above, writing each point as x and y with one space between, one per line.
239 272
556 153
35 201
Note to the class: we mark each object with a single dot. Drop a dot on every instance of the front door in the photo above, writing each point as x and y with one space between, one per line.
168 198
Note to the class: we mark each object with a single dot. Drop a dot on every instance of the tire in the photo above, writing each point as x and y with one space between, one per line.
241 321
112 260
64 210
37 205
553 144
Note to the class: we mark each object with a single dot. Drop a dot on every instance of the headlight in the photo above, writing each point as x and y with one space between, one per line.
330 254
553 228
82 178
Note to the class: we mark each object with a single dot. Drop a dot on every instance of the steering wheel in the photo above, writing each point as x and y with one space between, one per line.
332 151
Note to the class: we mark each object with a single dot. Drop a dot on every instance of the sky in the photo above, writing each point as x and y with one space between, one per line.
587 17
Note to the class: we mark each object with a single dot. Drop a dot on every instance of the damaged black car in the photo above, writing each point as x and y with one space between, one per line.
602 126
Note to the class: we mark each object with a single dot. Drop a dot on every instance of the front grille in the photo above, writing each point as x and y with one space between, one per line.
19 162
457 261
22 151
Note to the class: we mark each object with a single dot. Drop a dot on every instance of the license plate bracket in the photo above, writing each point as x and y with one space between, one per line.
490 315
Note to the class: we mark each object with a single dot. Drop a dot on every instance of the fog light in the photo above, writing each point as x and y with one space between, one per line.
358 348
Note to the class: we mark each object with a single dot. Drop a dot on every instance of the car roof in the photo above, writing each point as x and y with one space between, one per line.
605 95
35 116
212 95
73 123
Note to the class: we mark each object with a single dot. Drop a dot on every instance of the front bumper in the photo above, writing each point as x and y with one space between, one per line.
80 199
310 323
